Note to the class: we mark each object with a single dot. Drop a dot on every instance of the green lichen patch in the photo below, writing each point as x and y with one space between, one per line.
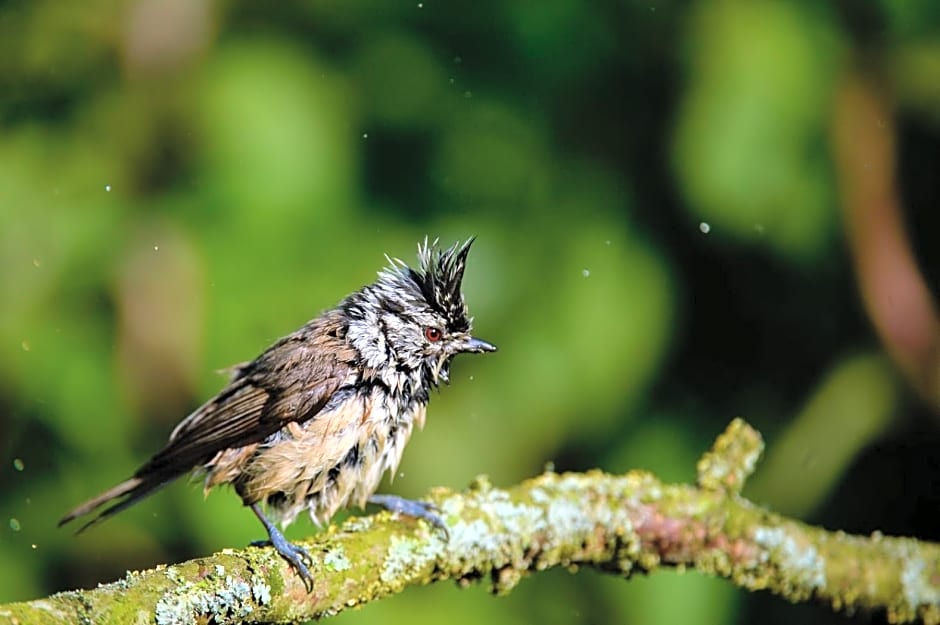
217 596
406 558
335 559
919 581
732 459
797 560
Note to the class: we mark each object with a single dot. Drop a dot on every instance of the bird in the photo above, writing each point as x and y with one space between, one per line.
314 422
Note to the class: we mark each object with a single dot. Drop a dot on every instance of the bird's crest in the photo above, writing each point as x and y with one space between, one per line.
436 281
439 276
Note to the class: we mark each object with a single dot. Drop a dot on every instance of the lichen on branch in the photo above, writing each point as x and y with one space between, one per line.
620 524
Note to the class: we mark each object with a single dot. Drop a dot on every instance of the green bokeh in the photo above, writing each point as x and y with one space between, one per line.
750 143
175 195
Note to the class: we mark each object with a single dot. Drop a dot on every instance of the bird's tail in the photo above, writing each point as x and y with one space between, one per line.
132 491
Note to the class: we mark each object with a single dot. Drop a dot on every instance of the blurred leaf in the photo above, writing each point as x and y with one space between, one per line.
402 82
852 406
491 155
750 142
277 135
915 19
917 66
661 445
667 597
573 27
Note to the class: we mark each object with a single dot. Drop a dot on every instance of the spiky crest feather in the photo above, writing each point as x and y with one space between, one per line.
437 279
440 277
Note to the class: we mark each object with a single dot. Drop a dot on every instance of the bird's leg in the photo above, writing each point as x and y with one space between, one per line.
417 509
295 555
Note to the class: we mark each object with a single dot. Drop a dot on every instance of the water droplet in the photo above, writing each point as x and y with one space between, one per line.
468 94
704 227
420 5
14 524
18 464
471 378
36 262
34 546
585 272
25 345
451 80
607 242
107 188
156 248
365 135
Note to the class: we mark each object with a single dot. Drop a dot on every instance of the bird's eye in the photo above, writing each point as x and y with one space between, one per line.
432 334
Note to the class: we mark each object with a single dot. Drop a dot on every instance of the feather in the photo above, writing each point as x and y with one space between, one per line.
247 411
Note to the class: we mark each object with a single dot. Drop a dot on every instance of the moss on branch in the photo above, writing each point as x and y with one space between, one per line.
620 524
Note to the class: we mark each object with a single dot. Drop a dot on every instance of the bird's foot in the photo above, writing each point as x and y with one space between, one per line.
296 556
417 509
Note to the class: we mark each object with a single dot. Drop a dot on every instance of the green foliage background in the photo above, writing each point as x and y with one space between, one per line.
659 250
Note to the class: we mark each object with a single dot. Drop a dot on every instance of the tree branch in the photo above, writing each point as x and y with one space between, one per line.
619 524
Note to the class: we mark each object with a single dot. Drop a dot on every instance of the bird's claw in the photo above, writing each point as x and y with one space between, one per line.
297 550
296 556
413 508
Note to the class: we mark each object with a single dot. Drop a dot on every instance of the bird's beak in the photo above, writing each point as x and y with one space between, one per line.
477 346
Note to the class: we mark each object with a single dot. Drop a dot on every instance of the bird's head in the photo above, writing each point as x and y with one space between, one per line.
416 320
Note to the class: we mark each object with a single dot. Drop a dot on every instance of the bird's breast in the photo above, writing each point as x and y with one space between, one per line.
334 459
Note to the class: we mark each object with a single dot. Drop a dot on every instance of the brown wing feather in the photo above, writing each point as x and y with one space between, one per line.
235 417
291 381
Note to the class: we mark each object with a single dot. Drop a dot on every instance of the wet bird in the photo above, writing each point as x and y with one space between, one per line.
315 421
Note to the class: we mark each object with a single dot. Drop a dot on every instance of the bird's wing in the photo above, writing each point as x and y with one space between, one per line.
291 381
237 416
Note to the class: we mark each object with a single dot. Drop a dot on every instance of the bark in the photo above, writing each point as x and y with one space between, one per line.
620 524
